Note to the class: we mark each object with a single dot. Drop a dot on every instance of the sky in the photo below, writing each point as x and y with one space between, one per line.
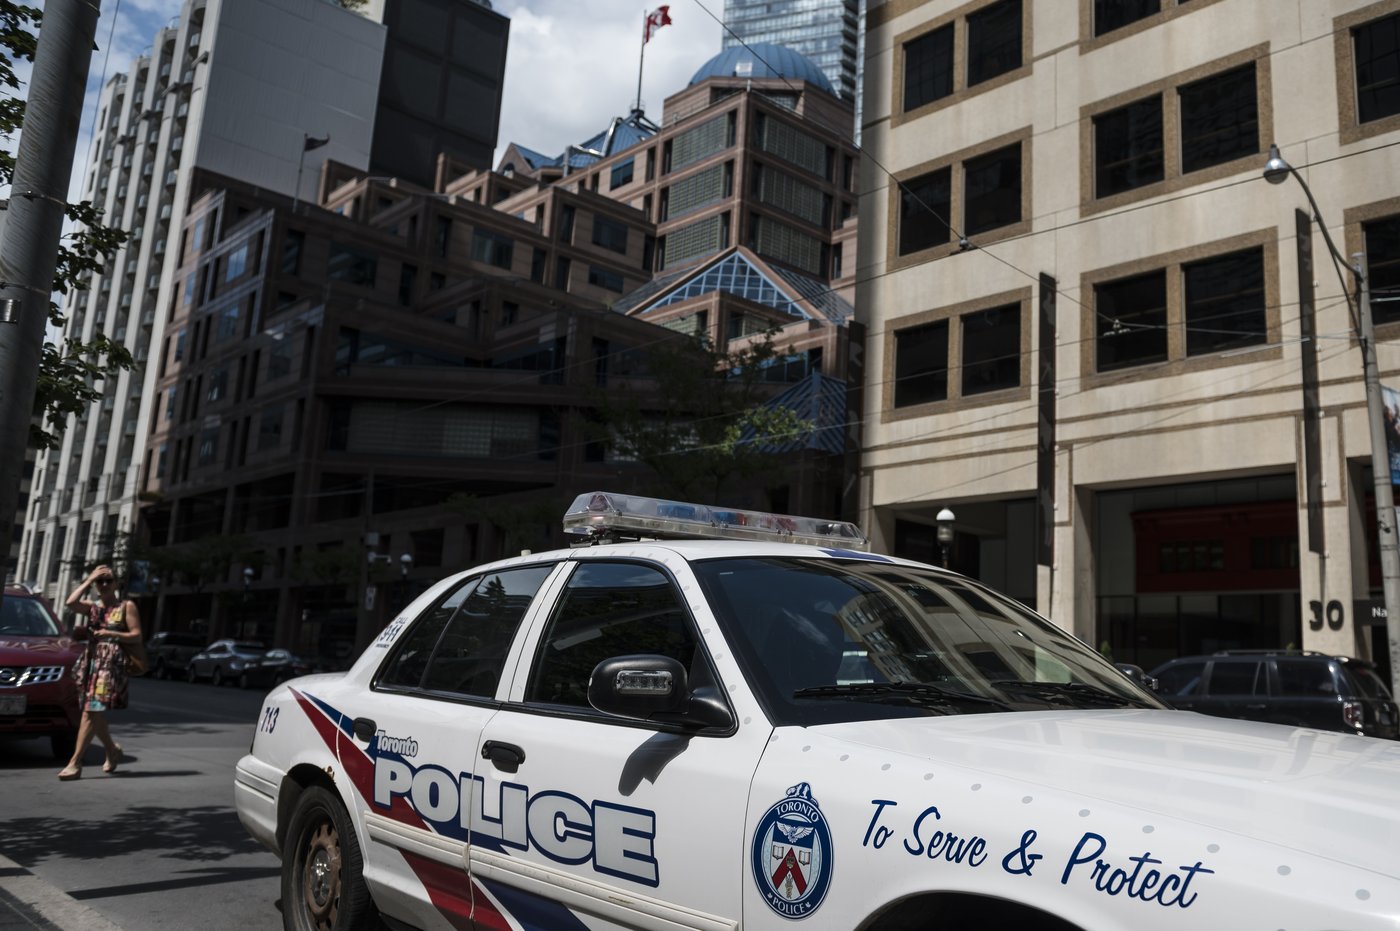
571 65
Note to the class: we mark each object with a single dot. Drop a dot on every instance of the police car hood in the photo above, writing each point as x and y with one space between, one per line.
1327 794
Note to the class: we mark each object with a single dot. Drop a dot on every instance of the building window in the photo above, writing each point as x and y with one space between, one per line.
921 364
537 265
492 249
993 41
408 274
1218 304
924 206
605 278
208 445
1131 321
237 263
1383 265
561 273
928 68
1115 14
270 428
566 223
609 234
1128 149
442 240
1225 302
1216 123
992 185
351 265
991 349
1219 119
228 323
962 54
621 174
1376 46
218 385
292 246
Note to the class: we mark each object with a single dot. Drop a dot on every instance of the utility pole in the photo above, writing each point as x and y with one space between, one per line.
1380 467
29 251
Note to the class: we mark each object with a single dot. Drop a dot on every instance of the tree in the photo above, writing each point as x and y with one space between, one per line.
68 372
698 418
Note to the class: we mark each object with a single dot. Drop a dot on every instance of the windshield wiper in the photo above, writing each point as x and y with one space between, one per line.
1074 694
914 693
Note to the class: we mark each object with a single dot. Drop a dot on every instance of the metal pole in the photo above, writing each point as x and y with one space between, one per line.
1380 468
34 223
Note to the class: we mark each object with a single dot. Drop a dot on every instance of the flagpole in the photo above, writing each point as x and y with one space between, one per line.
301 161
641 57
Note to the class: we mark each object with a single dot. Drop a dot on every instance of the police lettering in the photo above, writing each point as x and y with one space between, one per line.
1138 882
618 840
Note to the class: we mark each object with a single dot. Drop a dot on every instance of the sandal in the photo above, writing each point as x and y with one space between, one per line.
114 758
70 772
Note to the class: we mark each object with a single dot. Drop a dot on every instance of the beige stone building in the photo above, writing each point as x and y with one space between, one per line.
1107 155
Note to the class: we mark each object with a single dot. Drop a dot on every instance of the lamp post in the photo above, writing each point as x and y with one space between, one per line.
1276 171
945 520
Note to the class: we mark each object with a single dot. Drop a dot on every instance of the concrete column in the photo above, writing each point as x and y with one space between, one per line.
1326 584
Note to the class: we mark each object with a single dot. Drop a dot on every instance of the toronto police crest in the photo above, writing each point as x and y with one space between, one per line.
791 854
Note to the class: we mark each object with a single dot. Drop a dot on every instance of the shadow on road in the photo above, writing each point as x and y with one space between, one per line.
188 879
202 834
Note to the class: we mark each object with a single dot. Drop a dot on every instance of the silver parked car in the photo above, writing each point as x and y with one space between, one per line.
223 660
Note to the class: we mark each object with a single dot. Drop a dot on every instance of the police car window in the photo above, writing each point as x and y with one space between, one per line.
608 609
409 661
471 653
826 640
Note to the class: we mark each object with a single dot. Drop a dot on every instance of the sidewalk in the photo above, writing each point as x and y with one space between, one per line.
27 903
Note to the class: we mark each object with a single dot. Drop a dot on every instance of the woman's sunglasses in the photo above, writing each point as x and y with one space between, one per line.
108 580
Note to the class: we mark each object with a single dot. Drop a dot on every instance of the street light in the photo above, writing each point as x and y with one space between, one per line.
945 520
405 564
1276 171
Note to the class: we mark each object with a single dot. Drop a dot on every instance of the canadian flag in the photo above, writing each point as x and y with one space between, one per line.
654 21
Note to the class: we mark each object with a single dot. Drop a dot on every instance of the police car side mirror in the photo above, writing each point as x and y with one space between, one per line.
639 686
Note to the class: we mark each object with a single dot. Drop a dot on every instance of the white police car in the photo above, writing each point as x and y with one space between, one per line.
707 734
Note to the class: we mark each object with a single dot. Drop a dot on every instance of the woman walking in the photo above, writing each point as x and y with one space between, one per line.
100 672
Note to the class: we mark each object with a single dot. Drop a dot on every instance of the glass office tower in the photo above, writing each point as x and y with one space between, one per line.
826 31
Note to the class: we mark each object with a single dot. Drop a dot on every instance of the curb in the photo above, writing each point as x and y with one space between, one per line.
28 903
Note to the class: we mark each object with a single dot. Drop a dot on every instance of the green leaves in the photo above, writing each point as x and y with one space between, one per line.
68 379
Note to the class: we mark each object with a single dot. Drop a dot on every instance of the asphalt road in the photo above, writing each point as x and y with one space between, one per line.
157 844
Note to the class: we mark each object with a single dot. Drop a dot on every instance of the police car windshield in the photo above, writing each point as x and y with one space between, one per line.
815 635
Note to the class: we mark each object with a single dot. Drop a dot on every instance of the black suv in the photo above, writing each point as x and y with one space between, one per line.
170 652
1331 693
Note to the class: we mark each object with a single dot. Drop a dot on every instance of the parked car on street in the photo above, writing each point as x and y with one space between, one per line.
170 652
718 718
276 666
1302 689
38 697
223 660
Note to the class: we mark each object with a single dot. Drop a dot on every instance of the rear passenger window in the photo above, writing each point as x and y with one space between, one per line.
1230 677
460 644
1305 678
1180 680
607 610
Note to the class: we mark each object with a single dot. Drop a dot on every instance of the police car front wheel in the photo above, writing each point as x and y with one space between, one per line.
323 888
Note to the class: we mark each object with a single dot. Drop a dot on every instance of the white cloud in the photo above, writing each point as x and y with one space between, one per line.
572 67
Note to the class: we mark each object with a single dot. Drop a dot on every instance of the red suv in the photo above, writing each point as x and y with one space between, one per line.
37 694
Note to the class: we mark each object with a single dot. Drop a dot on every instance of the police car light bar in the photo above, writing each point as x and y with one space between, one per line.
600 514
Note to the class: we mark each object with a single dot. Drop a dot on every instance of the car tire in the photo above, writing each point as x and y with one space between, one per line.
323 886
161 671
216 678
62 744
243 681
190 674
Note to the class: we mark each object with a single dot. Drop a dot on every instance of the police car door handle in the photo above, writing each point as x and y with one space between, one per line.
506 756
364 729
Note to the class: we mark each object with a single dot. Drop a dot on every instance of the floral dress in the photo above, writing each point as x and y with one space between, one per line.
101 672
